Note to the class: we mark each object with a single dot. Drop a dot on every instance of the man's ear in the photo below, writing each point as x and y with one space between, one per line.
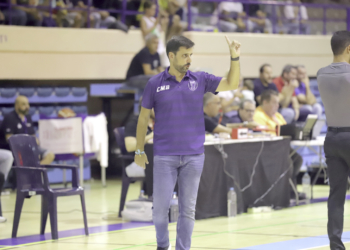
347 49
171 55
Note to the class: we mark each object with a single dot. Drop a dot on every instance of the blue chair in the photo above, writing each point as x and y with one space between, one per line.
80 110
125 159
32 180
8 92
79 91
62 91
5 110
44 92
48 111
32 111
28 92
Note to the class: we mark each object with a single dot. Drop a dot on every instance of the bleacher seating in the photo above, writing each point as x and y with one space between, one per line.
45 92
48 111
62 91
28 92
80 110
44 95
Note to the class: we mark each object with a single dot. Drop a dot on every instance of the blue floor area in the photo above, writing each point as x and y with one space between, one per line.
298 244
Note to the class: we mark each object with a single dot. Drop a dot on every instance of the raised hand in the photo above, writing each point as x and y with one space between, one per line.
234 46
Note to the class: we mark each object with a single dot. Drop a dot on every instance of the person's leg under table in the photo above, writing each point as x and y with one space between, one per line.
189 176
165 172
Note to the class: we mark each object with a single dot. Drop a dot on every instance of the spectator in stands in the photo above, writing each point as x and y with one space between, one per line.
267 115
34 16
99 19
58 15
151 25
231 17
145 64
293 14
74 18
286 84
6 160
259 21
17 16
169 9
307 100
264 82
245 114
211 107
19 122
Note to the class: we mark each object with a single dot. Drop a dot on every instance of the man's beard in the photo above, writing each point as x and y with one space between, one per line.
24 112
182 69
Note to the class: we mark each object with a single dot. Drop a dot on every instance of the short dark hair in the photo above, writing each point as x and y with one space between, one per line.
288 68
147 5
340 40
262 68
266 95
176 42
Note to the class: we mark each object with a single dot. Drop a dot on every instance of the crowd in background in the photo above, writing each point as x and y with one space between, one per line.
227 16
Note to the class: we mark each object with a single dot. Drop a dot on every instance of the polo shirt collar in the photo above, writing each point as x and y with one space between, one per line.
189 74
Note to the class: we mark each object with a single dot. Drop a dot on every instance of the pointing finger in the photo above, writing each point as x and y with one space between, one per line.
228 40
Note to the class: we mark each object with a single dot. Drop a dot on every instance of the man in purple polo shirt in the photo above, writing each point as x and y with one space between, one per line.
177 98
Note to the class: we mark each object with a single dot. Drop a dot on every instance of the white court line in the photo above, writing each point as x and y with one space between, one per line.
321 246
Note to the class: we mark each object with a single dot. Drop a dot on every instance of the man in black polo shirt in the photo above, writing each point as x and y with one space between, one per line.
145 64
245 114
264 82
211 108
19 122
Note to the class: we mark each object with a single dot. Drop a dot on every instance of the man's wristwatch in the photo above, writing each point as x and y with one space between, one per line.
138 152
235 59
245 124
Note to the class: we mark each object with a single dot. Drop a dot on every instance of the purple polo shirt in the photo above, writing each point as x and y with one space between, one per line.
178 106
301 89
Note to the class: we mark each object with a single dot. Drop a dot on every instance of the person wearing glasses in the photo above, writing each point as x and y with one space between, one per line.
245 114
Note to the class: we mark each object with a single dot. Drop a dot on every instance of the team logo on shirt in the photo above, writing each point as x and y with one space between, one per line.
192 85
162 88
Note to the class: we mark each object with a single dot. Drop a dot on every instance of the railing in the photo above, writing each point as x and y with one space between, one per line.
274 17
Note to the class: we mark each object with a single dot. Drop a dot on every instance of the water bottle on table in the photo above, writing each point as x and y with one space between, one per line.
231 203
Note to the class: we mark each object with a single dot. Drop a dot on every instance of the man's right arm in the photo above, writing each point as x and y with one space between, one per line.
141 131
147 70
222 129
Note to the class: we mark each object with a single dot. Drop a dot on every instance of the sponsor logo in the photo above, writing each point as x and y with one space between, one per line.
162 88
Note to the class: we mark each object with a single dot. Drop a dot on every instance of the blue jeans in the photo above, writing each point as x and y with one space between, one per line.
288 114
187 169
305 110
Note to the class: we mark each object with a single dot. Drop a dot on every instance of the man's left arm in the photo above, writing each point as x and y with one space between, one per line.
295 105
232 80
310 97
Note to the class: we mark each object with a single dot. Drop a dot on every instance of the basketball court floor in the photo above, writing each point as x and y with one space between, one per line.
296 228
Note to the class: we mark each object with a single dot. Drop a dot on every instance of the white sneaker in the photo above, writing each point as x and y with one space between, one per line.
2 219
